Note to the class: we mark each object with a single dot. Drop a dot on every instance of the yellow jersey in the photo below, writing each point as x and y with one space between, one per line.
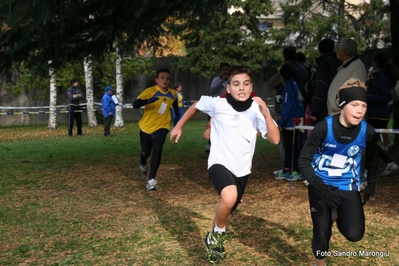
180 99
157 114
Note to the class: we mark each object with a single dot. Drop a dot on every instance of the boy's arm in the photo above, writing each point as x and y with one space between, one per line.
177 130
309 149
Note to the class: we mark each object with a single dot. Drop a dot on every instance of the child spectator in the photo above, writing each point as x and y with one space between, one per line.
291 114
179 92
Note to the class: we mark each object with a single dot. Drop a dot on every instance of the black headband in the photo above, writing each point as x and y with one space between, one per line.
351 94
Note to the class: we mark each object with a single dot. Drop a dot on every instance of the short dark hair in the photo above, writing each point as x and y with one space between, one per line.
240 70
224 64
162 70
381 59
286 72
301 57
289 53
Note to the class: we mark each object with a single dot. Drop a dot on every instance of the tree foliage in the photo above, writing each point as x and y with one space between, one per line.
307 22
231 34
43 30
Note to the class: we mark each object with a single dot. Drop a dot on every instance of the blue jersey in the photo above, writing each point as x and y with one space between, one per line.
339 164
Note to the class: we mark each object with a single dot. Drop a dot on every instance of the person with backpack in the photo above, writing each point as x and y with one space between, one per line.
327 65
301 78
291 114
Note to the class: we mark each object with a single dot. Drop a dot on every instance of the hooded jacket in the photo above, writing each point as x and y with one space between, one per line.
108 103
292 106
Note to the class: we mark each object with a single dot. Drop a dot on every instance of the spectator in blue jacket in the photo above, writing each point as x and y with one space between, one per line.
108 110
291 114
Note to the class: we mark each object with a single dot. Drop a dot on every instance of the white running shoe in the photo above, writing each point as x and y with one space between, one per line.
151 184
143 169
277 171
390 168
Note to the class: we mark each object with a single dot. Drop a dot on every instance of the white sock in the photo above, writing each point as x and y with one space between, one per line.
219 230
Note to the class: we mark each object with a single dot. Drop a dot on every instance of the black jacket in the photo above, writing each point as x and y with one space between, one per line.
325 72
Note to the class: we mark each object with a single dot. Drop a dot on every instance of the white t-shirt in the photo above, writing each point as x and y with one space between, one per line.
233 134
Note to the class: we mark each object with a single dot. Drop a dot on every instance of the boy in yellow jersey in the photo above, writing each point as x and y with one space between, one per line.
154 125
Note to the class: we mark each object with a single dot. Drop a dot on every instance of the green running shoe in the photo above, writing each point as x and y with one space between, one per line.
214 243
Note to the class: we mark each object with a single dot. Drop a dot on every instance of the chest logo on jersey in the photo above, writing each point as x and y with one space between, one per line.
236 117
353 150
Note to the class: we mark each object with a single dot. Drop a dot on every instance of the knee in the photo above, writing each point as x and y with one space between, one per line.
145 153
229 198
354 236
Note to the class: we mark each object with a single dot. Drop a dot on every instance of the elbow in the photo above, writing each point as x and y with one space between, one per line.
274 139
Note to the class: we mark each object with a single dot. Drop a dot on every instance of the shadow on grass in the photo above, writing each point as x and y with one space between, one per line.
179 222
268 238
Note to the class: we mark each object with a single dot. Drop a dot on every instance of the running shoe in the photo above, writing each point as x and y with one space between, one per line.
390 168
214 242
152 184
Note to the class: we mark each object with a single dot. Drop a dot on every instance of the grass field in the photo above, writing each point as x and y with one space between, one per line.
83 201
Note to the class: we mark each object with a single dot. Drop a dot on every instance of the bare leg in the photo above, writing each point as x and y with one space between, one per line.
321 262
228 198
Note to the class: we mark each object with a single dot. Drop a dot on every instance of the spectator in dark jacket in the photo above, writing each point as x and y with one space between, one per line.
328 64
74 109
378 112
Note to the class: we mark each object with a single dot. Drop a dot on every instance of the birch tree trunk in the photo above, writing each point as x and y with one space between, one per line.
119 91
91 115
52 118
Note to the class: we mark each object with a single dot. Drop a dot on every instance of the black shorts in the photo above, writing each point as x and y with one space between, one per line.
147 140
221 177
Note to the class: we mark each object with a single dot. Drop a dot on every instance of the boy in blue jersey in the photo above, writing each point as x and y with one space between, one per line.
331 162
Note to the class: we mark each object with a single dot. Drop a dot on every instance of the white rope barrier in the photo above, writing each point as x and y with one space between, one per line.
378 130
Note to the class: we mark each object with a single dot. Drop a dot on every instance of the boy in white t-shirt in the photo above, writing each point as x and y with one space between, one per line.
236 120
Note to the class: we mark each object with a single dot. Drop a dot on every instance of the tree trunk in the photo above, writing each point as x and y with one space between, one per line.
91 115
119 91
52 118
394 8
